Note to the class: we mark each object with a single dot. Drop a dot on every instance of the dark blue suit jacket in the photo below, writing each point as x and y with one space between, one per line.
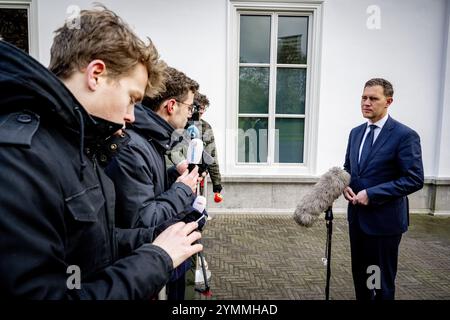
392 171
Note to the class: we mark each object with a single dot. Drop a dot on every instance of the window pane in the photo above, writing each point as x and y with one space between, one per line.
289 140
14 27
291 91
253 90
252 140
255 39
292 40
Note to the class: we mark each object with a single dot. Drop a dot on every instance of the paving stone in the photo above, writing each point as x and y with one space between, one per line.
267 257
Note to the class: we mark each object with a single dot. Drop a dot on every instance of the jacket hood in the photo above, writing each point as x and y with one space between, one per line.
27 84
152 126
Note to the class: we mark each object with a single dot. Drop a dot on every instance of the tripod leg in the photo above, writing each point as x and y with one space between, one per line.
205 278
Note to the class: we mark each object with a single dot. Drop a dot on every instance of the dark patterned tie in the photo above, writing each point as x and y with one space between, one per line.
367 145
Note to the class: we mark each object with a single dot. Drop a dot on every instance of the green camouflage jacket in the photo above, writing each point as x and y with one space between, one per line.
178 153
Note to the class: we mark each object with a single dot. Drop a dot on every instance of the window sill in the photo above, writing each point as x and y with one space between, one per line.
268 179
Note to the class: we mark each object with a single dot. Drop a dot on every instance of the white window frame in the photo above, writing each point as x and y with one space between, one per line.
314 11
31 6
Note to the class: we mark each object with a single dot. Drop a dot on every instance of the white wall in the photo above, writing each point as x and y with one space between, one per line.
409 50
443 143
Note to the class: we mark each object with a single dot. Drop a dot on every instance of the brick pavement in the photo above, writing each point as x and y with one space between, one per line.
270 257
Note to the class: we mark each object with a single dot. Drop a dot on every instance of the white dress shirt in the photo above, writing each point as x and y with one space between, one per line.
380 124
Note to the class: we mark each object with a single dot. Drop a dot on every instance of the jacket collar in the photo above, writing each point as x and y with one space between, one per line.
381 139
152 127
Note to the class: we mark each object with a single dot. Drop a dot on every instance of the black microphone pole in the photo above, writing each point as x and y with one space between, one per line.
329 223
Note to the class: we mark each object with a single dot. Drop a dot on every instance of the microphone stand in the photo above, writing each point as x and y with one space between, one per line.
207 290
327 260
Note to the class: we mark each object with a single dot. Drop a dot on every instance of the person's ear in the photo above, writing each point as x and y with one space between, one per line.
389 101
94 71
171 105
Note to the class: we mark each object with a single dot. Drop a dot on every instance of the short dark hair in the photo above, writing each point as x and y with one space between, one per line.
177 86
201 100
388 90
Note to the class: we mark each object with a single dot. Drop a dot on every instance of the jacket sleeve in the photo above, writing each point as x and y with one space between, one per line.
172 174
140 275
131 239
173 158
137 205
210 147
347 156
33 261
409 159
177 154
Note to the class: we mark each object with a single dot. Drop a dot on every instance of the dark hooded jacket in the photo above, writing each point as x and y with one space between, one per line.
145 191
56 205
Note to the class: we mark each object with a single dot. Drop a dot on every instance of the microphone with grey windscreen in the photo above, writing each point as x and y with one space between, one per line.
321 197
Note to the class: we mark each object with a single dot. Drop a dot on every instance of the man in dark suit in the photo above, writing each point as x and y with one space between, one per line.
384 159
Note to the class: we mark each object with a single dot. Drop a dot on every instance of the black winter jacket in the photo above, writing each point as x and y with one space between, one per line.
145 193
56 204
